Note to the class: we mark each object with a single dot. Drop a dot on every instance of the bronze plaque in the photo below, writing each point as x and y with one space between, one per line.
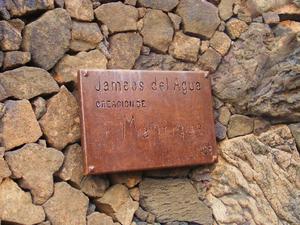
136 120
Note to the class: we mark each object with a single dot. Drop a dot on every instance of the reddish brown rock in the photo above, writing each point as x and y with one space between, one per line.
124 16
19 125
117 203
37 179
72 169
157 30
16 205
129 179
67 206
23 7
185 47
176 20
235 28
124 50
48 38
97 218
226 9
210 60
67 68
239 125
80 9
27 82
85 36
10 37
94 186
4 169
220 42
199 17
15 59
159 4
60 124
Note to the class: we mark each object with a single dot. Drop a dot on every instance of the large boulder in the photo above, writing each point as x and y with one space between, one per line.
117 16
19 125
27 82
199 17
159 4
60 123
80 9
10 36
24 7
117 203
67 206
37 179
174 200
260 75
256 180
157 30
66 70
16 205
124 50
48 38
85 36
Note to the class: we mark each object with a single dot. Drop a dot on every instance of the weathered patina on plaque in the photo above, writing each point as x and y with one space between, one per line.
136 120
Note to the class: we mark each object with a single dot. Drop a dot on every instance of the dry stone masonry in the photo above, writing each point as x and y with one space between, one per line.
251 49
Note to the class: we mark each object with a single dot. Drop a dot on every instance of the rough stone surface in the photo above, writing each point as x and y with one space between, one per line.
224 115
259 75
19 125
124 49
185 47
220 42
199 17
27 82
97 218
1 58
257 7
220 131
4 169
60 124
129 179
210 60
239 125
271 18
72 169
39 107
15 59
226 9
61 211
173 200
235 28
157 30
66 69
124 19
48 38
256 180
118 204
94 186
85 36
23 7
34 165
295 129
176 20
159 4
80 9
16 205
10 37
155 61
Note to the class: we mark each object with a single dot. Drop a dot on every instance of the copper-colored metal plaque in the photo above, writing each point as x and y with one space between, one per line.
136 120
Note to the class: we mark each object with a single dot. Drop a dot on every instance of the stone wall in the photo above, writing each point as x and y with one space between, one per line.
251 48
